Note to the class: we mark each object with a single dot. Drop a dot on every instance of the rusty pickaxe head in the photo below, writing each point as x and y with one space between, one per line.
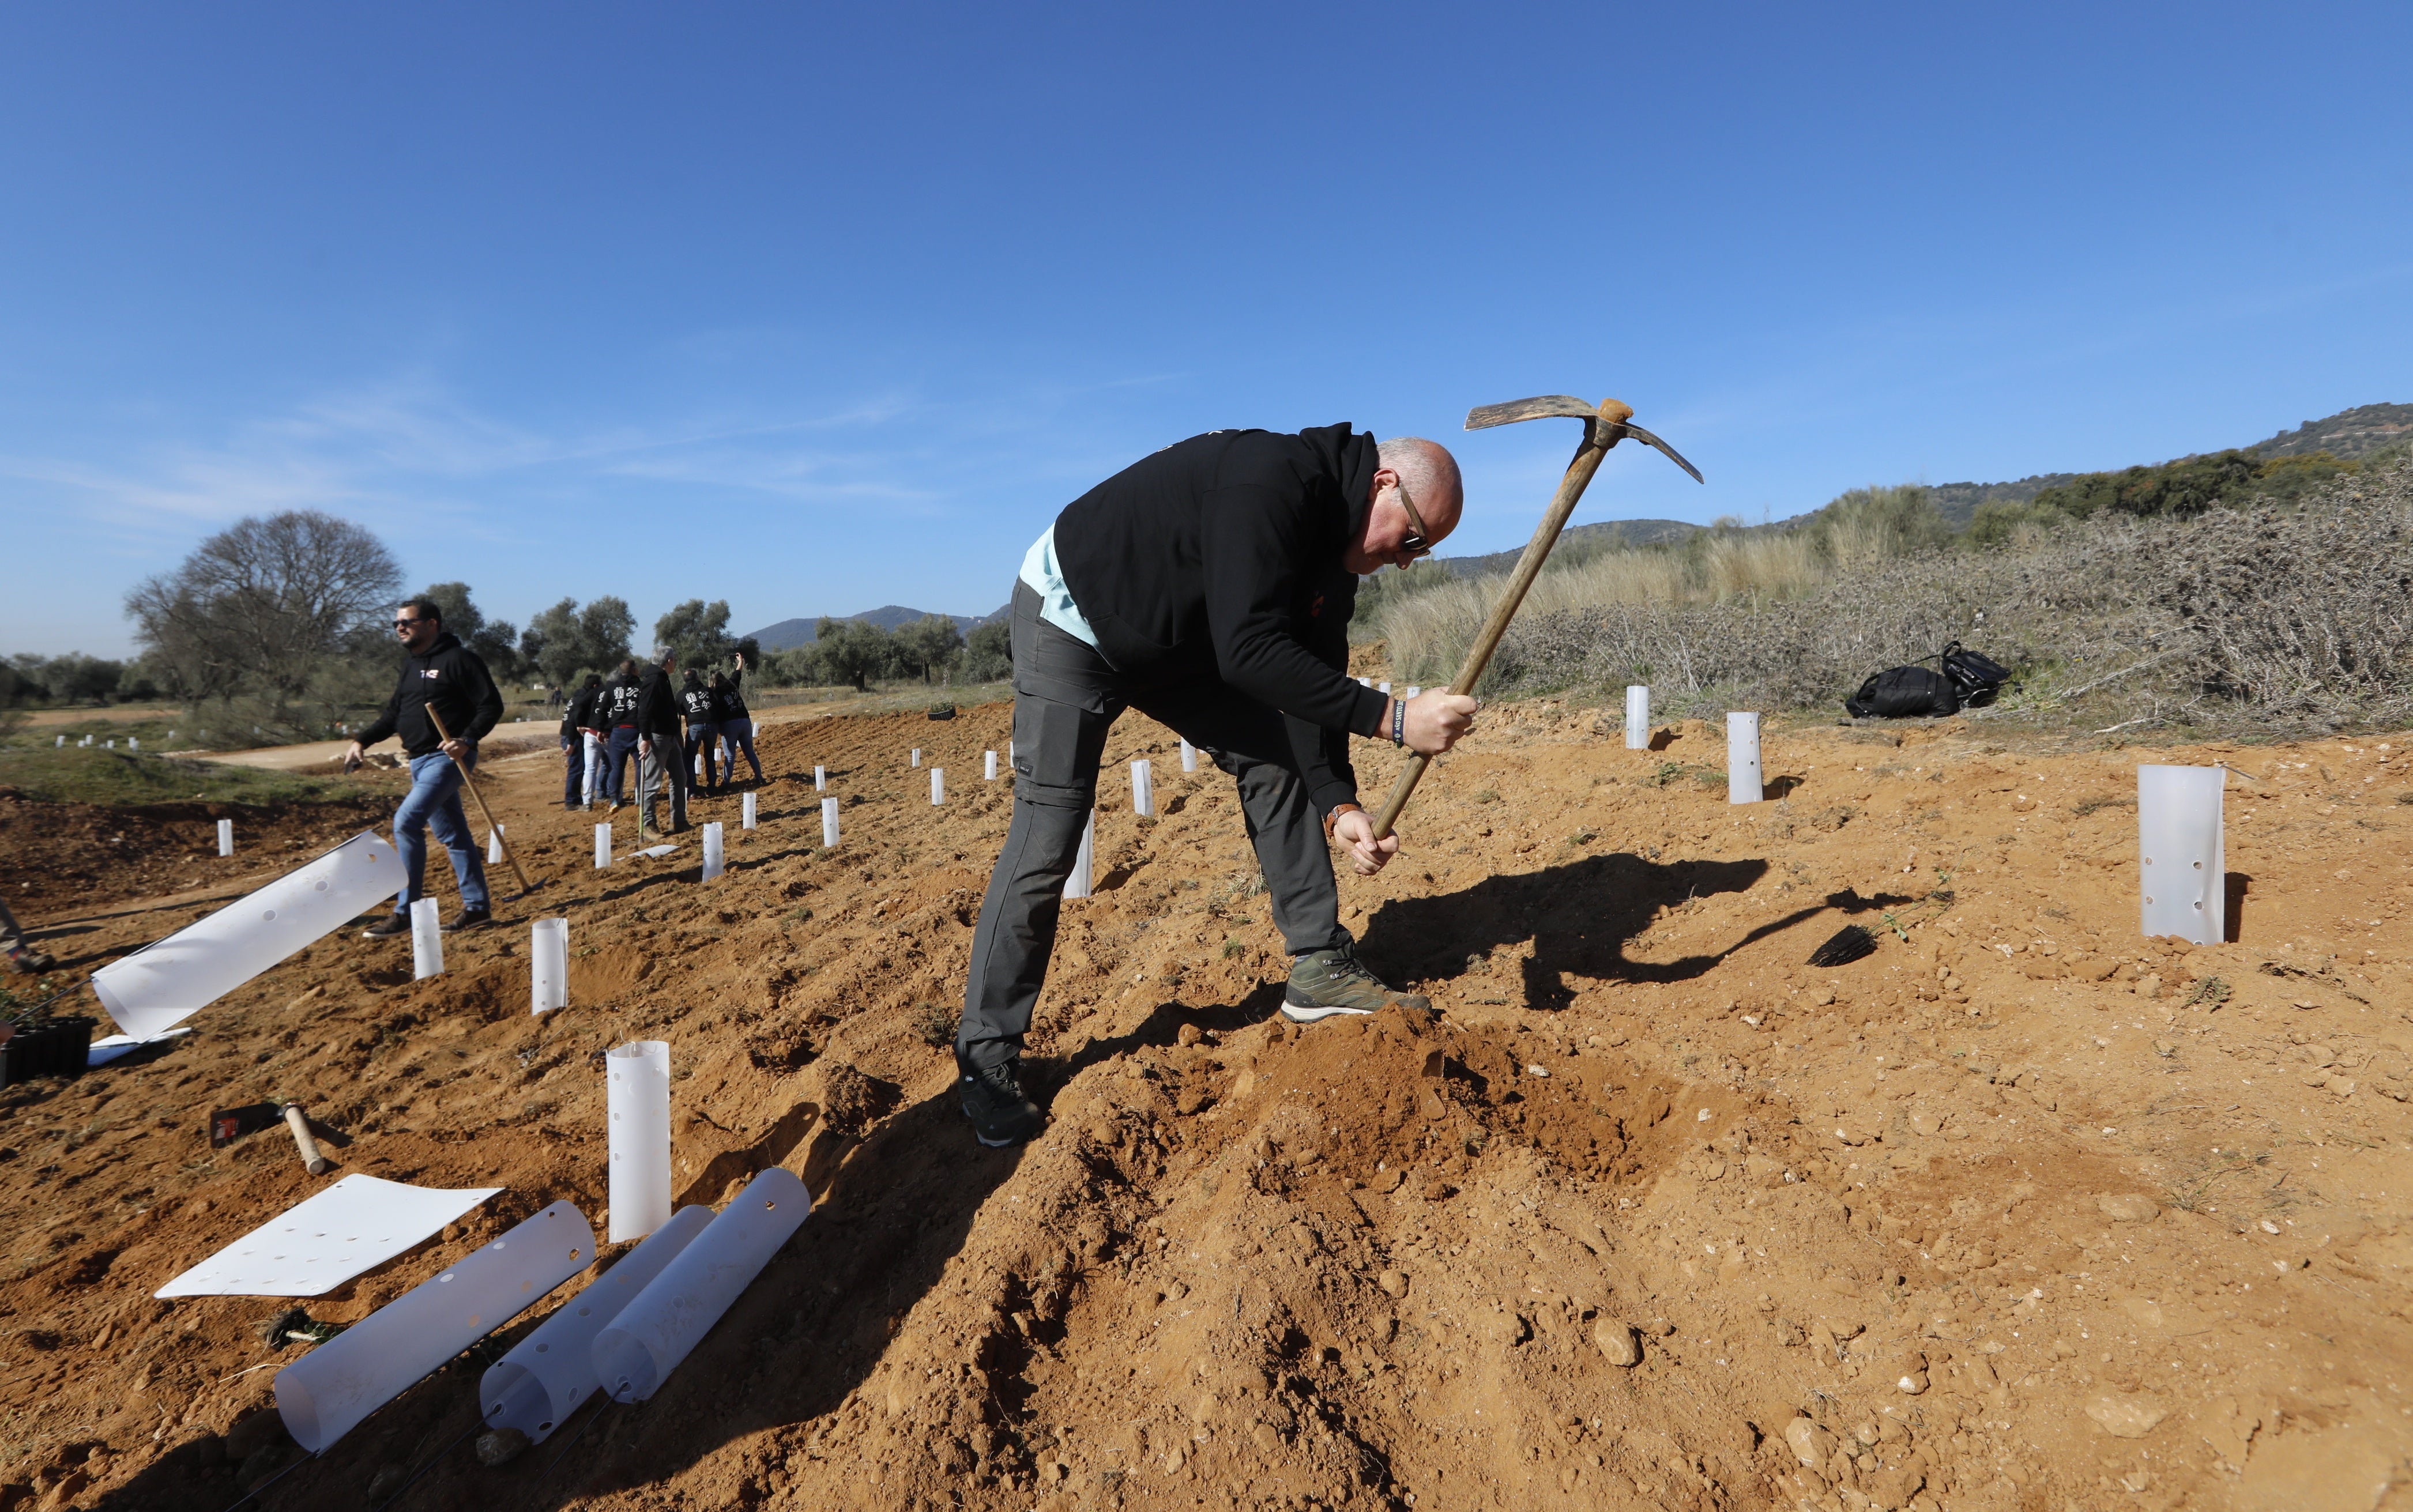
1605 424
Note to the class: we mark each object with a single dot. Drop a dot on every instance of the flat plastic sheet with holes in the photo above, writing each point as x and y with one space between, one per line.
317 1245
165 983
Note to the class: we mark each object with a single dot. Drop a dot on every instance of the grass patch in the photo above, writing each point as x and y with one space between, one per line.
102 776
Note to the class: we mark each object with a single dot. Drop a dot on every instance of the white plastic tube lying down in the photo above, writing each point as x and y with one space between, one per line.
677 1308
163 984
326 1392
537 1386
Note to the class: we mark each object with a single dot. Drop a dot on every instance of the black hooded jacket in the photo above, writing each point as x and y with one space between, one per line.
728 702
657 704
452 677
1220 557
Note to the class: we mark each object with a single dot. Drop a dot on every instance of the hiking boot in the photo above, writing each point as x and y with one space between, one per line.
993 1100
469 918
388 927
29 962
1325 982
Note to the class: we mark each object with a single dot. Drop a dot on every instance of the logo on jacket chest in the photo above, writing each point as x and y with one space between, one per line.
430 673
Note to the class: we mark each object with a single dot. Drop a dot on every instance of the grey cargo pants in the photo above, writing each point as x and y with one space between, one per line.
1066 697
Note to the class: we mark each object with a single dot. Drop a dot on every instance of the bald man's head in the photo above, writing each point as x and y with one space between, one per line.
1413 502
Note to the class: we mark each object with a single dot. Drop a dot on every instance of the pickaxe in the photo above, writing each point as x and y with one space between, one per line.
1605 426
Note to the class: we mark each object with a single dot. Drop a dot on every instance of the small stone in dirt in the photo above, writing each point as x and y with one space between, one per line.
1810 1444
384 1483
256 1430
1394 1282
1188 1035
2124 1416
2128 1207
2270 1227
1438 1191
501 1447
1616 1342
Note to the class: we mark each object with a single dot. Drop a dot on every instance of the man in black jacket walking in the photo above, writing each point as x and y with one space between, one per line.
582 764
1209 586
661 746
439 672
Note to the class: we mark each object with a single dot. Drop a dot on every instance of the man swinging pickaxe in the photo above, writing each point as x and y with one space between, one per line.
1605 426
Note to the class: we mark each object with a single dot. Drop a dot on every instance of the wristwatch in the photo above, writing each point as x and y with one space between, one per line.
1333 817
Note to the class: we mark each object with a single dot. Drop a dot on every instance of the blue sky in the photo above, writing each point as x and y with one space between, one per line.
818 309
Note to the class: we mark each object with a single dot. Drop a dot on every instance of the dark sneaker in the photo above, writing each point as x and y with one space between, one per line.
388 927
469 918
29 962
1325 982
993 1100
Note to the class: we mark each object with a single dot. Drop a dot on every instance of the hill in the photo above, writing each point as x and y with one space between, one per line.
2351 434
799 631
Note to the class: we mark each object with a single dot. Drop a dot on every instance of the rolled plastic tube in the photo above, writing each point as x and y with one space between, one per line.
1188 757
988 766
745 812
495 847
170 980
713 857
537 1386
821 781
133 742
226 837
677 1308
326 1392
1383 688
1413 690
1743 784
1637 718
1143 790
637 1102
829 823
1077 885
2183 852
426 940
548 965
602 847
938 786
917 757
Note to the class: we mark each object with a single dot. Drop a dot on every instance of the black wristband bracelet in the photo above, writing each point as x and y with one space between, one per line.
1399 722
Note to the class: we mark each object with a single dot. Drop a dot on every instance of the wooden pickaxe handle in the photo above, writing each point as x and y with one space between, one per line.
1604 428
470 781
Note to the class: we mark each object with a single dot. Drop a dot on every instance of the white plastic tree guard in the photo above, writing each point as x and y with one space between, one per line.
1077 885
637 1106
746 811
917 757
548 965
537 1386
1143 790
820 780
134 742
1383 688
226 833
495 847
829 823
170 980
2183 852
1188 757
938 786
324 1395
426 940
1637 718
339 1232
677 1308
1744 783
1412 691
602 847
714 858
988 766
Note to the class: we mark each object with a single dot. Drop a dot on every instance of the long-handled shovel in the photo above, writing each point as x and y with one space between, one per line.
1605 426
470 781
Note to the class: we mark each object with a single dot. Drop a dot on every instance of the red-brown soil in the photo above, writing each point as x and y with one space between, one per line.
2131 1218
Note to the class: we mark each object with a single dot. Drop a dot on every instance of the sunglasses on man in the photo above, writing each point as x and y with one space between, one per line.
1418 543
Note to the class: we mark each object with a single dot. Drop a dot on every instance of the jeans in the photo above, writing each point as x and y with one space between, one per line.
434 803
739 735
623 747
668 762
574 782
1066 697
701 738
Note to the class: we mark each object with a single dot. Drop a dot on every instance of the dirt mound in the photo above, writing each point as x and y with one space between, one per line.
2020 1212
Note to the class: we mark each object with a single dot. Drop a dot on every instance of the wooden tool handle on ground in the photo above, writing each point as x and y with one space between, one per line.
1598 438
470 781
315 1162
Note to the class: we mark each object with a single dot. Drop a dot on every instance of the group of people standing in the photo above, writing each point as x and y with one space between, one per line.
683 736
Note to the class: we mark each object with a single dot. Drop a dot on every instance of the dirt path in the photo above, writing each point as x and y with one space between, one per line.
1652 1216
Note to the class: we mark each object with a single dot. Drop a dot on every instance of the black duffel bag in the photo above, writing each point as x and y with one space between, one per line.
1967 681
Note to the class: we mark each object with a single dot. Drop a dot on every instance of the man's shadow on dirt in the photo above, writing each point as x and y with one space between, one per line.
1578 918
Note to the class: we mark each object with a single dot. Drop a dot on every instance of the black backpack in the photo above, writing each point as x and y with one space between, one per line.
1968 681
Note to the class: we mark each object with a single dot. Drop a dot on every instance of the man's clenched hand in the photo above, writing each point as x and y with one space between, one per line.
1367 854
1439 720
